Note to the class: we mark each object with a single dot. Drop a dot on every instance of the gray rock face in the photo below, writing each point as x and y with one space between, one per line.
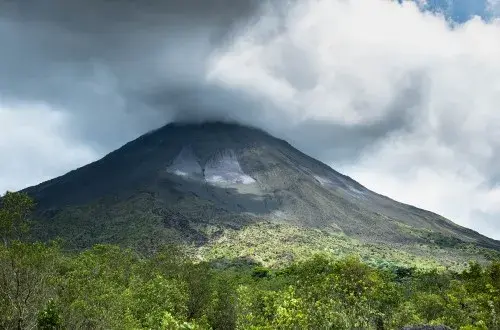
224 174
225 168
185 164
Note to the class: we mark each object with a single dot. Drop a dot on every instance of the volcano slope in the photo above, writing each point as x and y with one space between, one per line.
230 190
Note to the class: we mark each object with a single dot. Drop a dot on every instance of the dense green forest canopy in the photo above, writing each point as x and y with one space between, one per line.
108 287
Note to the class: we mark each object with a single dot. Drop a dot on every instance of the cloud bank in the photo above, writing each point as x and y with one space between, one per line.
392 94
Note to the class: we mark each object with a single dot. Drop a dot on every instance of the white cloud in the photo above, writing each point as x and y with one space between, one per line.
34 146
351 62
422 171
494 6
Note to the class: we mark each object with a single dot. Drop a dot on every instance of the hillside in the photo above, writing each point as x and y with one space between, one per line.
205 184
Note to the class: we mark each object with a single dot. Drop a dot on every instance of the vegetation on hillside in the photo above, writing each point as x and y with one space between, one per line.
109 287
277 245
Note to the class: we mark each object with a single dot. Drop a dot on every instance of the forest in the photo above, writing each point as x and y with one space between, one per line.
45 286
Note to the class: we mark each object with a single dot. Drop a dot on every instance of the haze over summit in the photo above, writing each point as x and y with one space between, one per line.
390 94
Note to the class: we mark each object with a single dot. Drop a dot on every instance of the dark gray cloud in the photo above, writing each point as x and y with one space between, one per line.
98 16
98 59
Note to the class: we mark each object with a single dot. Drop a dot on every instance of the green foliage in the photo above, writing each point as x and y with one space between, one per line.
260 272
27 272
15 208
108 287
278 245
222 312
50 318
262 277
326 282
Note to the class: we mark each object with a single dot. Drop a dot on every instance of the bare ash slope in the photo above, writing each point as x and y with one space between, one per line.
177 181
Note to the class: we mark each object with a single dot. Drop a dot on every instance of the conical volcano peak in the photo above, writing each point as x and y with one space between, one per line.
195 175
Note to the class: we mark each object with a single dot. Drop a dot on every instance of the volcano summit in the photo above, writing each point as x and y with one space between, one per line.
193 182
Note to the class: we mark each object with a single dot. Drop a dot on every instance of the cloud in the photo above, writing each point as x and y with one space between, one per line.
391 94
97 67
432 88
35 146
98 60
493 7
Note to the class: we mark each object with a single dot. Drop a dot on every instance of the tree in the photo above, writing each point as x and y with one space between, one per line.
15 209
93 291
49 318
26 275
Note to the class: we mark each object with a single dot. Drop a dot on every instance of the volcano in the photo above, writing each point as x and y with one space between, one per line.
183 180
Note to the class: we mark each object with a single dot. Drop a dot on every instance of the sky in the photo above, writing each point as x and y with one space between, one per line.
403 96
